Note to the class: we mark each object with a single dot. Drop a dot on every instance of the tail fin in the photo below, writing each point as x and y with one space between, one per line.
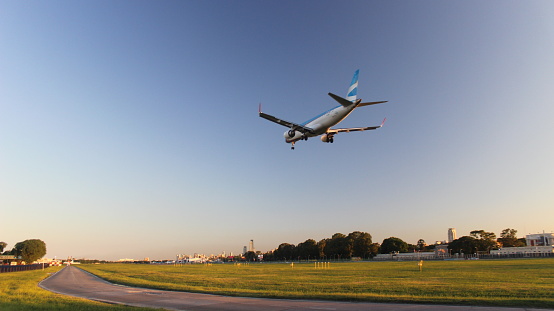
353 89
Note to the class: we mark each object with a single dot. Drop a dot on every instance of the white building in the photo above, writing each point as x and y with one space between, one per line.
540 243
540 239
524 250
451 235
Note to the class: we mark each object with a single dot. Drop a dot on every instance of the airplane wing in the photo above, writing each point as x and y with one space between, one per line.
291 125
355 129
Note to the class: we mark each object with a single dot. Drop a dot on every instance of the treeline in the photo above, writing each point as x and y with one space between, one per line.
339 246
28 250
360 244
484 242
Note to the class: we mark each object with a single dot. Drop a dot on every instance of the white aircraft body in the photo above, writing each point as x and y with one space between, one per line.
321 124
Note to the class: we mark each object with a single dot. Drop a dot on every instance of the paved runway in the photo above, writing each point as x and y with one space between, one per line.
76 282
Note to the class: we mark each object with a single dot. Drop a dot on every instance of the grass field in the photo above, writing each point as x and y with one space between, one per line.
20 291
516 282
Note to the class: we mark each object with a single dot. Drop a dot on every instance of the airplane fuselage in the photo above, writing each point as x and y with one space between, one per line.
321 123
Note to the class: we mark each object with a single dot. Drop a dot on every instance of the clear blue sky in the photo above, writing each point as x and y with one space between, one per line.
130 128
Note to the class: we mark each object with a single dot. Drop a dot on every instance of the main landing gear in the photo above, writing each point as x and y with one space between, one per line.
292 147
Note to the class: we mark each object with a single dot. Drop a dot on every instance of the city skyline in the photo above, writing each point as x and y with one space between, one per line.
225 254
132 129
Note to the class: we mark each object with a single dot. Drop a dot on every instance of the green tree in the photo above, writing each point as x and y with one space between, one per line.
250 256
421 244
307 249
30 250
483 235
393 244
269 256
509 233
339 245
412 248
285 251
486 240
465 244
374 249
361 244
508 238
2 246
321 247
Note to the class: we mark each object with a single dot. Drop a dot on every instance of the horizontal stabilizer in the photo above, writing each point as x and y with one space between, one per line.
371 103
340 100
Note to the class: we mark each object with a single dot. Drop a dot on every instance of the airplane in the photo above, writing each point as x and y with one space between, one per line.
321 124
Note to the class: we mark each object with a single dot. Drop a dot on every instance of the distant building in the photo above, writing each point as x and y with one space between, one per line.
119 260
244 250
451 235
524 250
540 239
196 260
441 250
251 246
540 243
407 256
52 262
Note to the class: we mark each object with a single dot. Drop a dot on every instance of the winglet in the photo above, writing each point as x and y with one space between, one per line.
383 123
260 108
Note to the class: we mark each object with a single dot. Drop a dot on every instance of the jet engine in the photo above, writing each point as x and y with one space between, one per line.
291 133
327 138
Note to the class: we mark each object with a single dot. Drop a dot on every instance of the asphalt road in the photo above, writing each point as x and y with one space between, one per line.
76 282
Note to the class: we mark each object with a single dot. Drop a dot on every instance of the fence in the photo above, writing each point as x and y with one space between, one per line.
7 268
416 257
518 255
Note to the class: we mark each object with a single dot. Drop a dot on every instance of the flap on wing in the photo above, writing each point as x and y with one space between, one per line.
353 129
356 129
276 120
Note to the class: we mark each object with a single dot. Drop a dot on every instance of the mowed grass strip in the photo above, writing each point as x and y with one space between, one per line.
20 291
516 282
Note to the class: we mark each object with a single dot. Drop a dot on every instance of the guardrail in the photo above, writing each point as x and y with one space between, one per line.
7 268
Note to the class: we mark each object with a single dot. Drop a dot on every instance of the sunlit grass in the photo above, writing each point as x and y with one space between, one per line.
20 291
528 282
